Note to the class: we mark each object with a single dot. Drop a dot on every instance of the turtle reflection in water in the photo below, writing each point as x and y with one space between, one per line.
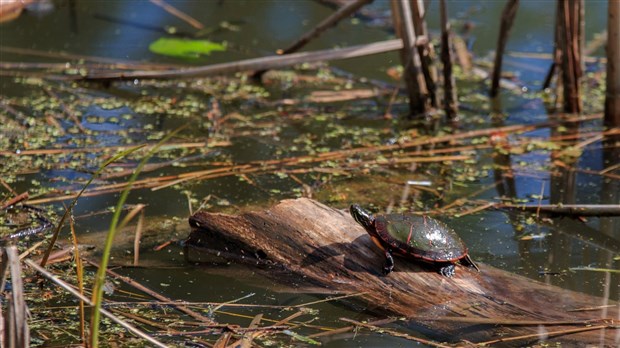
419 238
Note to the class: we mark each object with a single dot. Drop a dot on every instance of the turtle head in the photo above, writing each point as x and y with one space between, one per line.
361 216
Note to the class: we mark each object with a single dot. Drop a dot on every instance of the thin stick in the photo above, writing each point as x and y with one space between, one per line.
331 299
540 197
546 334
31 249
179 14
348 9
15 200
163 245
6 186
395 333
269 62
75 293
477 209
136 241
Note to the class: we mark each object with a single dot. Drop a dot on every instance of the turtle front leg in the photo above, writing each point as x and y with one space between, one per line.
389 262
447 271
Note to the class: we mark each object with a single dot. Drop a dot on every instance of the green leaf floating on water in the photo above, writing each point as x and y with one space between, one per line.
185 48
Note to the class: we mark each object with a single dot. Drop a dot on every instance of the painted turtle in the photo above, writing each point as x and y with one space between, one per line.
418 237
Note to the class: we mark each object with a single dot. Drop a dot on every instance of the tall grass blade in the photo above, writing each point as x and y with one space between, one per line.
74 202
97 297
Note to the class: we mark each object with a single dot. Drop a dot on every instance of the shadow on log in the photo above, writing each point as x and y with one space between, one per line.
320 246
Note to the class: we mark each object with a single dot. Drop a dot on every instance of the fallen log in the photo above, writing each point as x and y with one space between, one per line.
313 244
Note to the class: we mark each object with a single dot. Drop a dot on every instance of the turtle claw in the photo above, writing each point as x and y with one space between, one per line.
389 262
387 269
447 271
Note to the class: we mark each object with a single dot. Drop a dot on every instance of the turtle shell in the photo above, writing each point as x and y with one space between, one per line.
420 237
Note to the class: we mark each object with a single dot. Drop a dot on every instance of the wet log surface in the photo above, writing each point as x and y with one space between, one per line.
320 246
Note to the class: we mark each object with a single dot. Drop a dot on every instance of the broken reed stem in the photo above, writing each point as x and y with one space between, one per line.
508 16
540 198
79 271
16 331
75 293
450 100
136 242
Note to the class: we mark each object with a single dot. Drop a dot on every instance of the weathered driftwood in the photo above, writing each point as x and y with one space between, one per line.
321 246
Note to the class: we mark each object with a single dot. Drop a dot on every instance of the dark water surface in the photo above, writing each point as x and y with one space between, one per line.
123 30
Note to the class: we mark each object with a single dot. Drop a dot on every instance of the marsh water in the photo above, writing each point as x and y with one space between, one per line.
241 122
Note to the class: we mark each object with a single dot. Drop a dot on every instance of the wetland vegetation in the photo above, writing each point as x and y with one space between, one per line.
337 132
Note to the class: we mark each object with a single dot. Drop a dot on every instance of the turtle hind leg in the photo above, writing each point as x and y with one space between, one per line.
389 262
447 270
467 261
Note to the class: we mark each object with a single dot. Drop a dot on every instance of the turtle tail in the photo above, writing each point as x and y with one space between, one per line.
469 262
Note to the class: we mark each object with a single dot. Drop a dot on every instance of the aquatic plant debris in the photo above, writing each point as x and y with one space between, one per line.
185 48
